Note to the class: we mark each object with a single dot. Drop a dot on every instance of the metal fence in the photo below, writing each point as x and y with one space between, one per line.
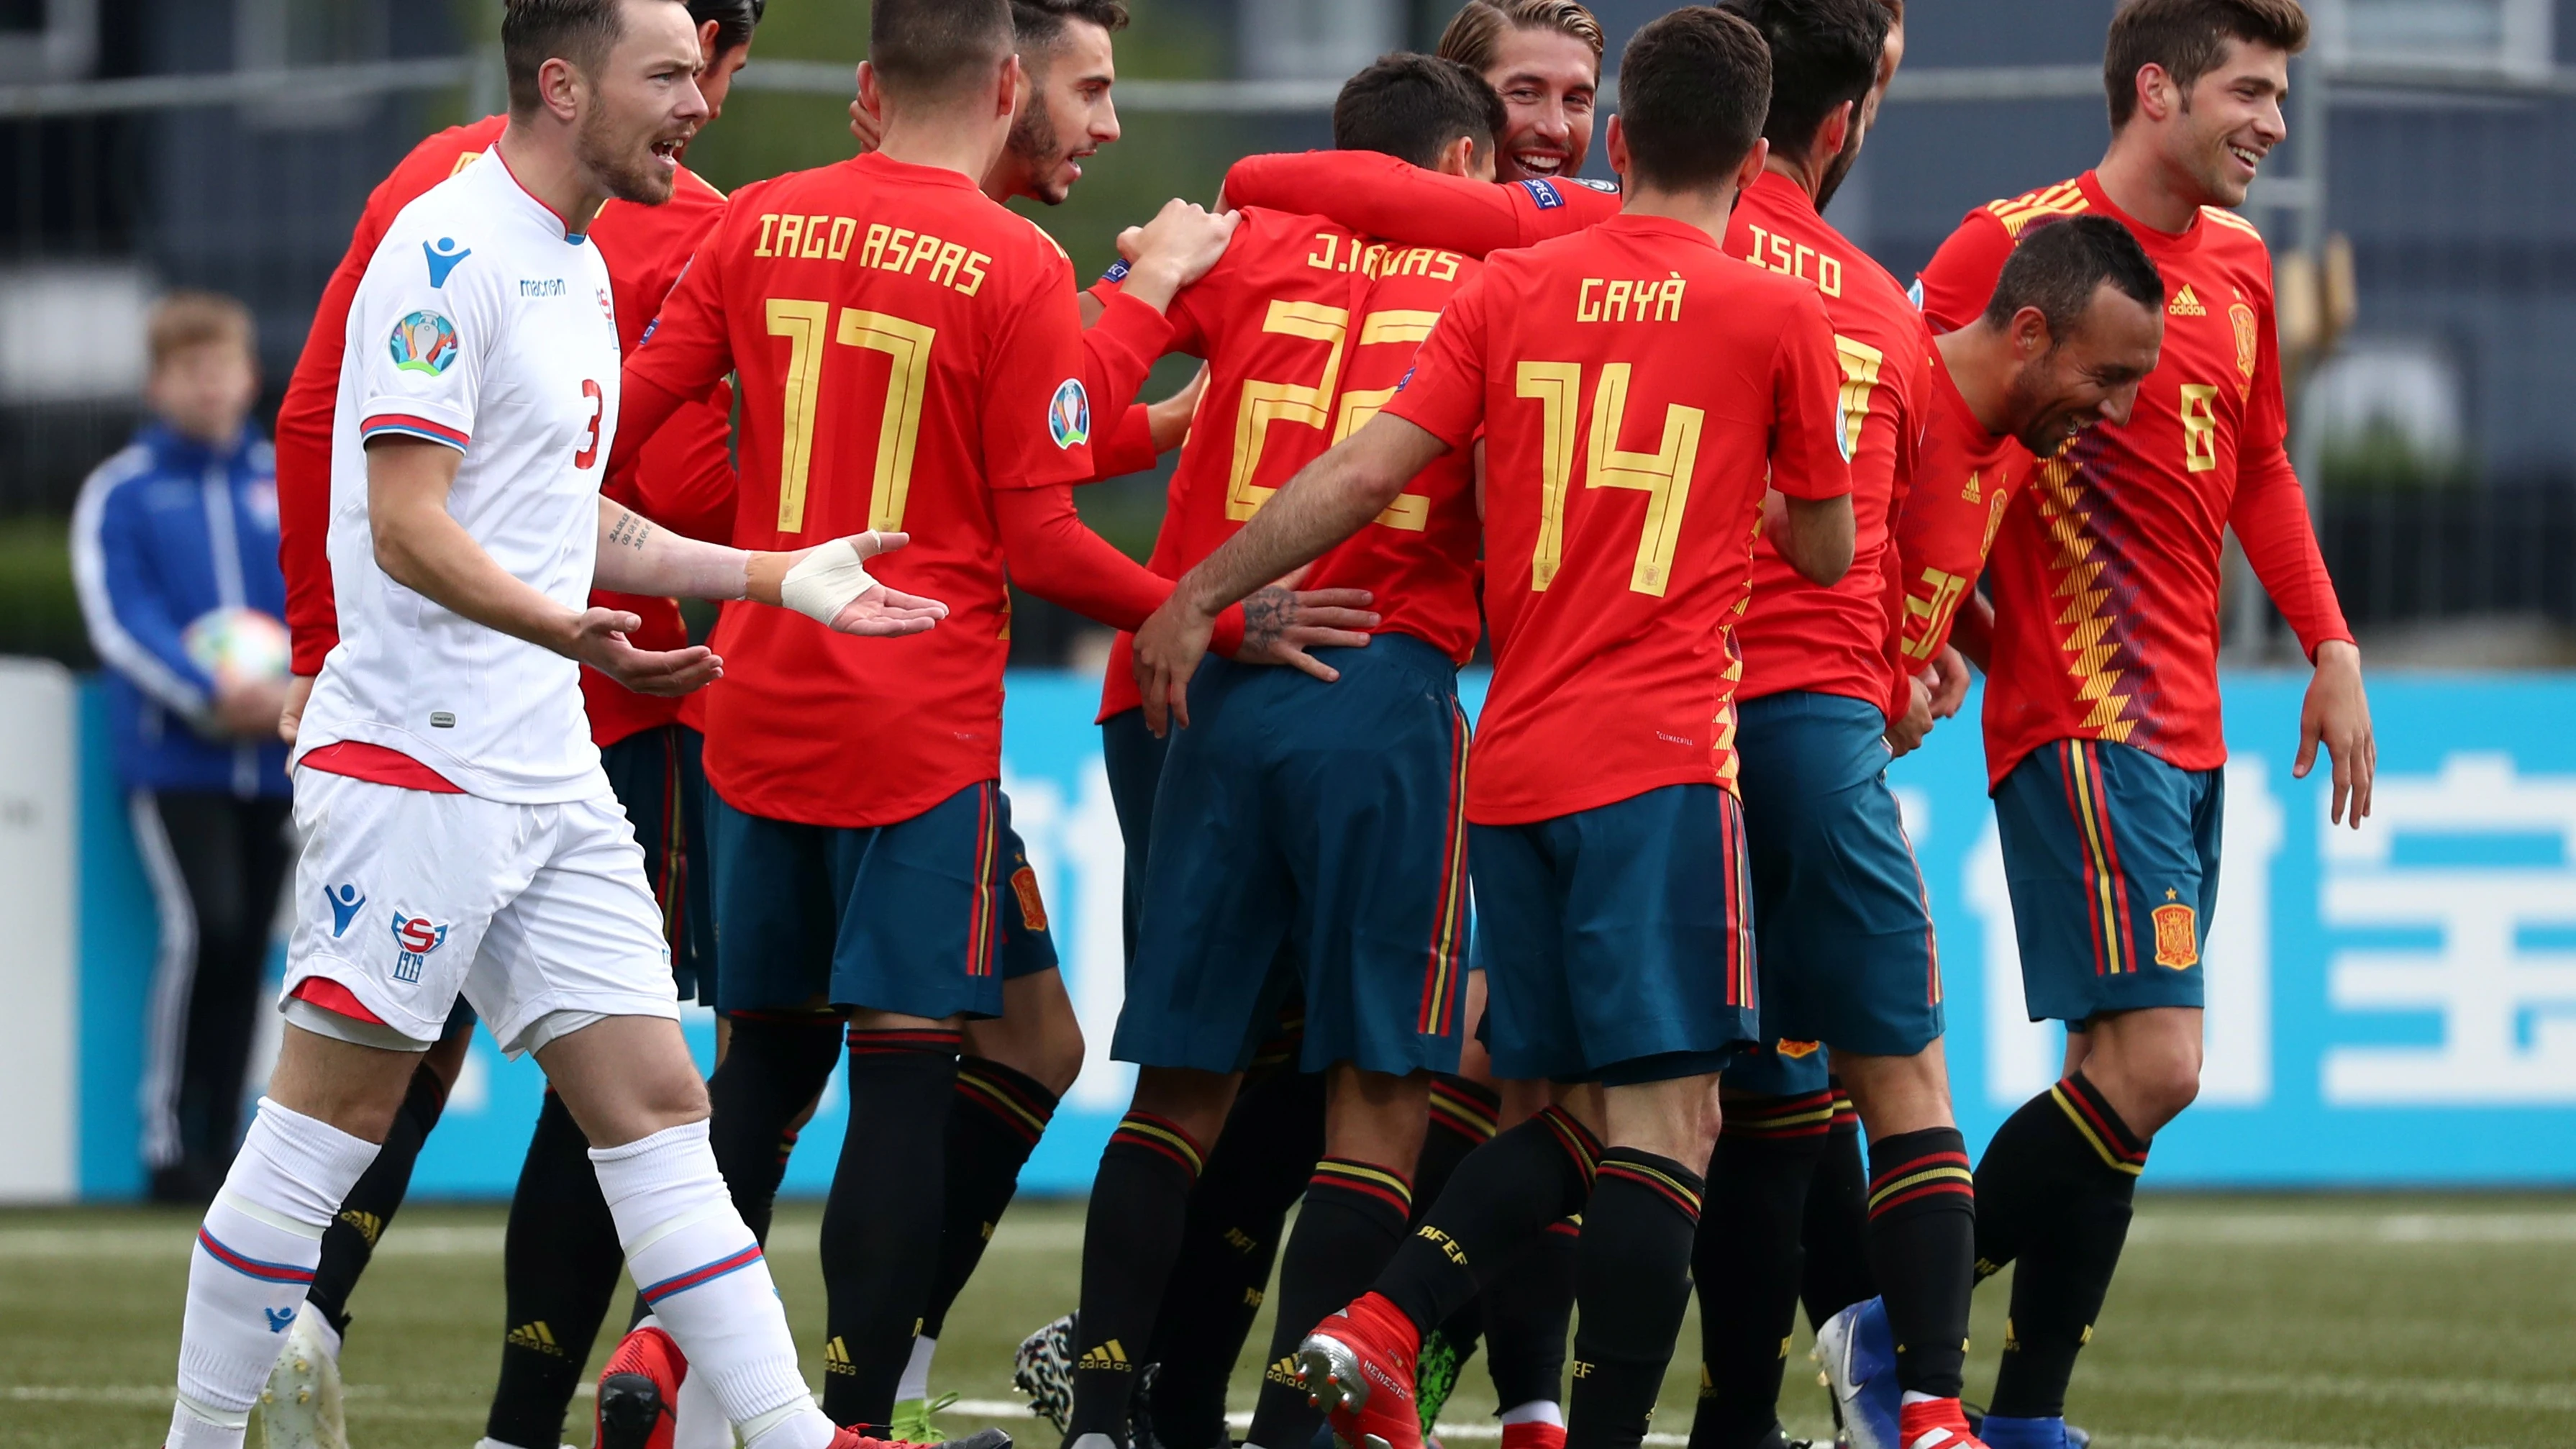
2441 456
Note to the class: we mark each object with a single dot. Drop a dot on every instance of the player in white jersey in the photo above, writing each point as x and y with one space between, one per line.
461 836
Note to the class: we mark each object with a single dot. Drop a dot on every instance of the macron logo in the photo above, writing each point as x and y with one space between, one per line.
443 258
346 901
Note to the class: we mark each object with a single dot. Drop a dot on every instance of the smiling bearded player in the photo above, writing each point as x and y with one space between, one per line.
446 779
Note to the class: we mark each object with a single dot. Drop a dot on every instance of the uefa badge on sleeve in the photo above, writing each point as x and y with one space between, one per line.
1069 414
423 342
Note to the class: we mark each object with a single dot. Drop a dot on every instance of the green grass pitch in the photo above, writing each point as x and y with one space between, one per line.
2237 1323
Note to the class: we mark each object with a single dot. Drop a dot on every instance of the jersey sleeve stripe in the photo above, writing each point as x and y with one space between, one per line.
411 426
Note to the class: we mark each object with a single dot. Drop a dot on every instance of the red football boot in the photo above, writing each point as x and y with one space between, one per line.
1935 1424
639 1392
1357 1367
1533 1436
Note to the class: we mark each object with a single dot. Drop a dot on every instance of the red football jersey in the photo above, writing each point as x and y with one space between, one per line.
1633 383
1964 479
685 484
904 346
2105 580
1418 559
1273 319
1383 196
1797 636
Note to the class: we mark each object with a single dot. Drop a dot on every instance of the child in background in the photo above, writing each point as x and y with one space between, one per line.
174 550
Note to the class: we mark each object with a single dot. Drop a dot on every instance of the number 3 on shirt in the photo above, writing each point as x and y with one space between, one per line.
907 348
598 401
1664 475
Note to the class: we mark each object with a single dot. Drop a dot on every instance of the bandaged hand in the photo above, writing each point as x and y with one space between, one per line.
830 584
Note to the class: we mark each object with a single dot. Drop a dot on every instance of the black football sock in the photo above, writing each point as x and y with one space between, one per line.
1923 1249
559 1270
1747 1262
1462 1120
881 1240
993 1126
1238 1214
1527 1307
1498 1201
1140 1203
350 1240
775 1066
1354 1216
1632 1287
2069 1174
1836 1235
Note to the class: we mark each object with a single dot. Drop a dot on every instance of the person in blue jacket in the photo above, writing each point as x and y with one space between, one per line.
174 550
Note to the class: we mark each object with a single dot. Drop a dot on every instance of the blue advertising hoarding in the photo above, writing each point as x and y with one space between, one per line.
2394 1006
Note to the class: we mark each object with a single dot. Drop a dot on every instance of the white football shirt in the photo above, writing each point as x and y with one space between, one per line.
483 325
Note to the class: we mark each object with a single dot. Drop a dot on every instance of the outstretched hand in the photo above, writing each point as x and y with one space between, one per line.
829 583
599 640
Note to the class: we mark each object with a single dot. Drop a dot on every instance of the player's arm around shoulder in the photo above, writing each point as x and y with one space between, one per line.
1807 510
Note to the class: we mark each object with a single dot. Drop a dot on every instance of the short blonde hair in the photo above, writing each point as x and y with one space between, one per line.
186 319
1475 34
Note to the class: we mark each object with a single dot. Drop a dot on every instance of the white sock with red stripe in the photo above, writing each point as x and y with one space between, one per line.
702 1273
252 1265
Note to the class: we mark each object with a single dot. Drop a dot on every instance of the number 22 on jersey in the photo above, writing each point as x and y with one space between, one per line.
1664 475
907 349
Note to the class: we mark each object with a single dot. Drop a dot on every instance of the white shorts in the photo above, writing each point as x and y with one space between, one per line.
539 915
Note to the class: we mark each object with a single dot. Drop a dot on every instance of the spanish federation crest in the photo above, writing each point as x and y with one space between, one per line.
2242 318
2177 936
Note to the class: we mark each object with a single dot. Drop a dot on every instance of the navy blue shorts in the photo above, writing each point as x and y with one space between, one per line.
1617 942
1325 818
1134 761
1838 905
659 778
2112 858
1778 1067
1028 946
903 917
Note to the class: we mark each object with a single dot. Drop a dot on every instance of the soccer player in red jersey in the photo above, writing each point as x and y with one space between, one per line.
2102 711
2070 334
909 353
1610 893
563 1264
1269 826
1534 53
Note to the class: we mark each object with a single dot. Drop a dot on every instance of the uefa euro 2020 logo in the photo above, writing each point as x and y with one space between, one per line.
1069 414
424 342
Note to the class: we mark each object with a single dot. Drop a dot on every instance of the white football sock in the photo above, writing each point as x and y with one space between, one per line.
1536 1411
699 1421
252 1266
703 1276
915 1383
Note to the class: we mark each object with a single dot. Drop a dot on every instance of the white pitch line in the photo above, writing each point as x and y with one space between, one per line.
2295 1229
